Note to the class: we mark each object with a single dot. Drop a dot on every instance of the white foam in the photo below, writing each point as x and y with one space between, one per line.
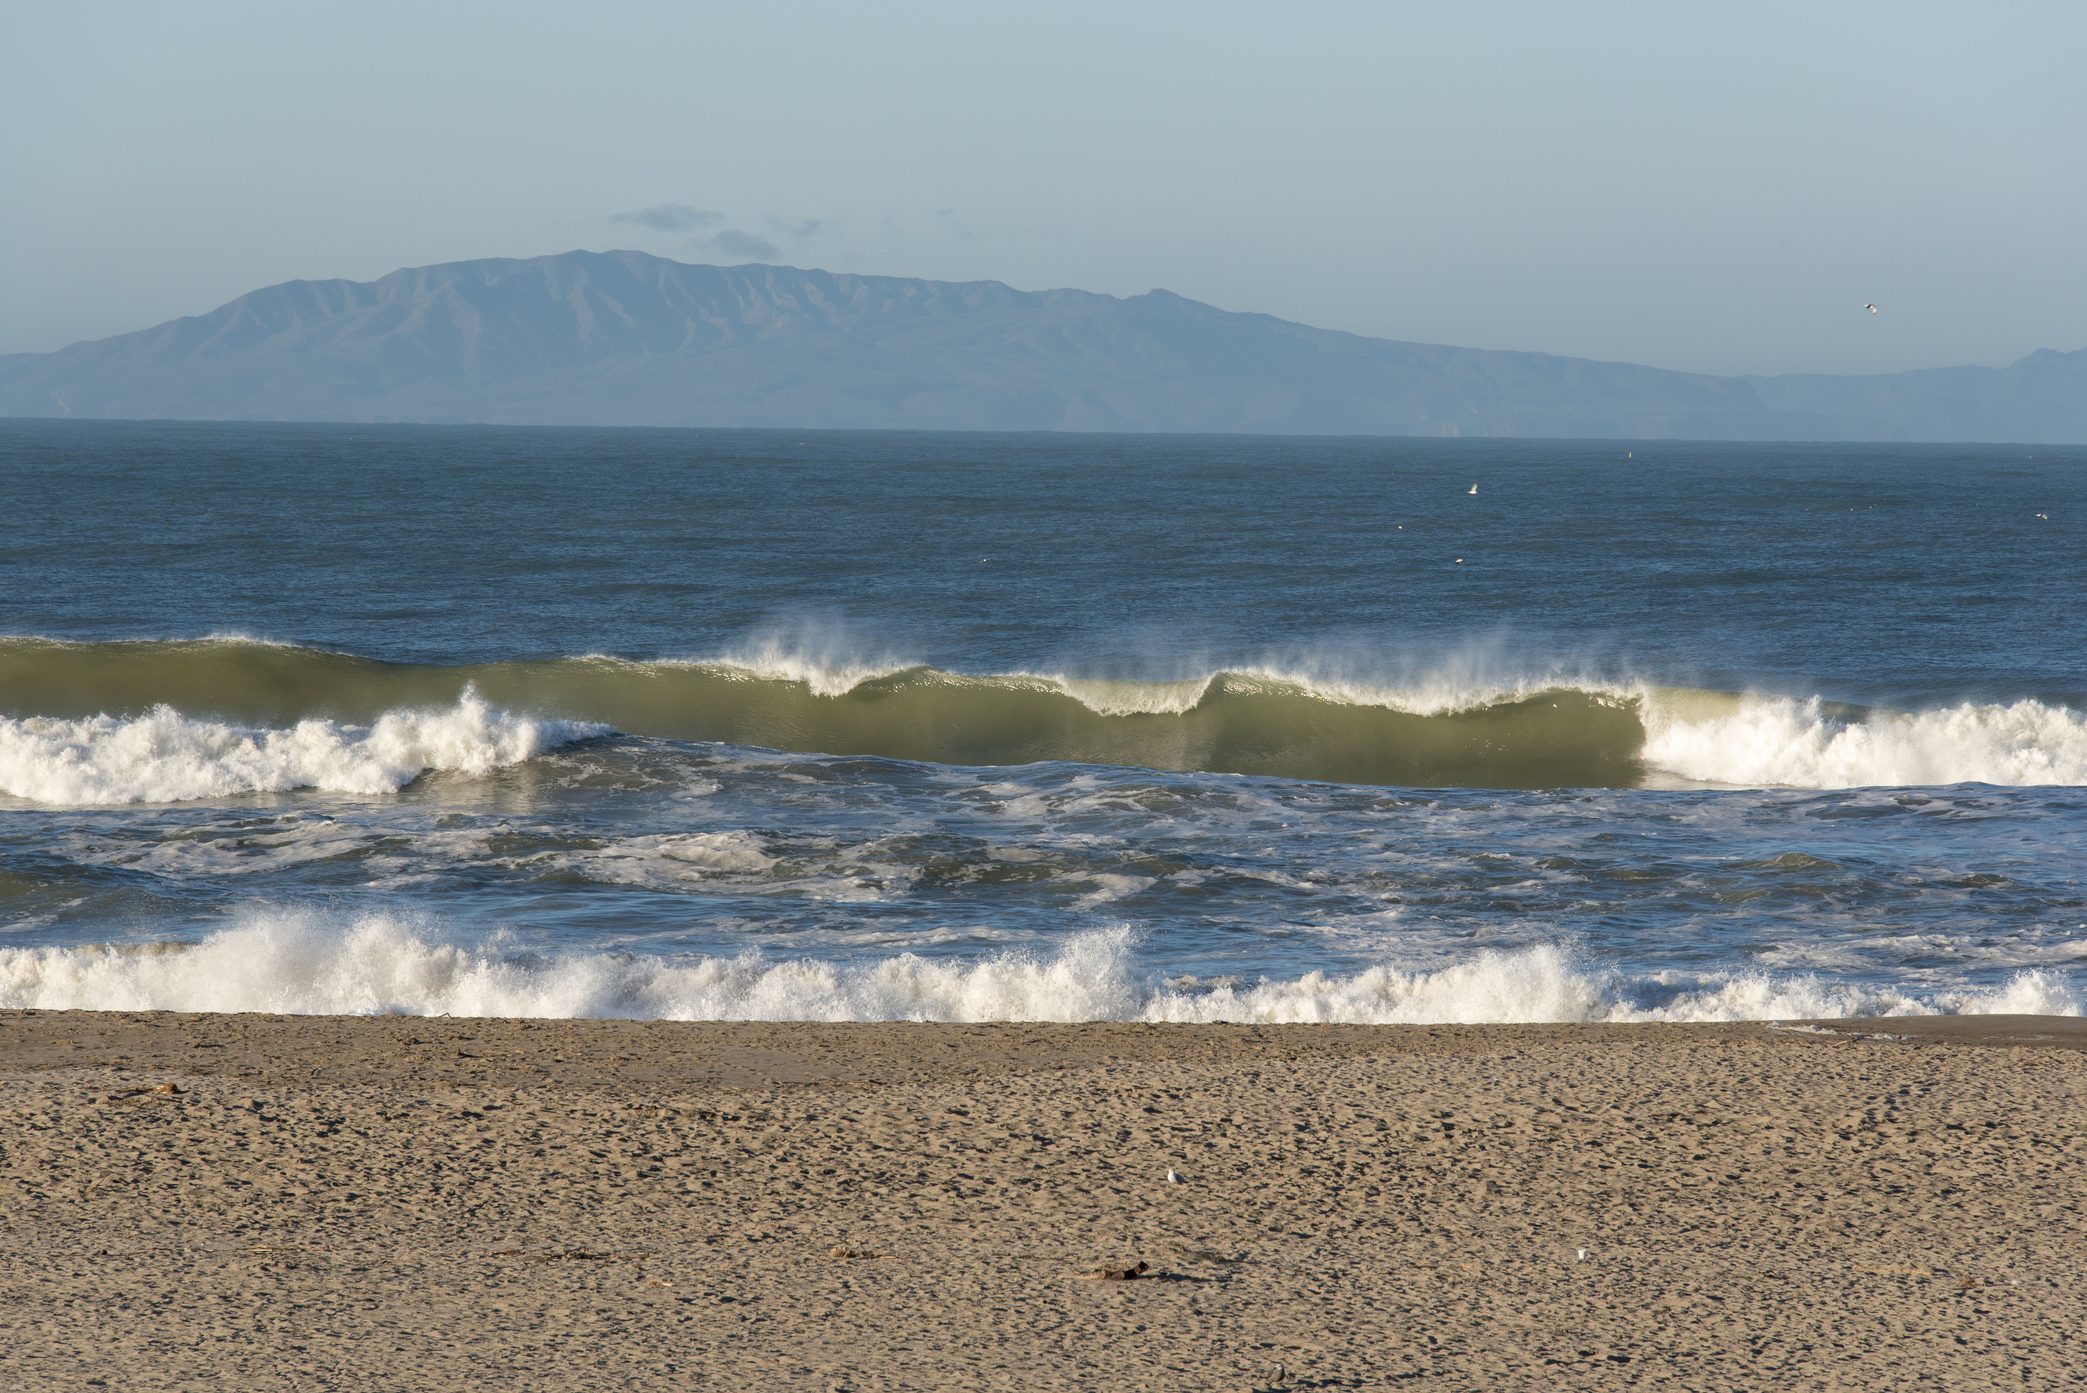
672 860
832 660
702 854
300 962
1769 741
1447 690
1109 888
166 757
1113 698
826 657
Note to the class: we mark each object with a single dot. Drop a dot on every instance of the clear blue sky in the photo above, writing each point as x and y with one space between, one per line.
1717 187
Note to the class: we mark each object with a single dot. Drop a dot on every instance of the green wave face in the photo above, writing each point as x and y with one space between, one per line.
1231 723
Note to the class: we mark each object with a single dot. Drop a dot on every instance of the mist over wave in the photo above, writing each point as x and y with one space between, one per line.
303 963
143 721
163 756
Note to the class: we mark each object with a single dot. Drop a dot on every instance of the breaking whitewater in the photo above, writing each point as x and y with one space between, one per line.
284 718
892 726
229 825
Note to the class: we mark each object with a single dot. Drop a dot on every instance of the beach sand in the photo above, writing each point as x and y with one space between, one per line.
248 1202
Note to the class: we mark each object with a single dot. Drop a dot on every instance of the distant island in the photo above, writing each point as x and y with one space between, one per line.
624 338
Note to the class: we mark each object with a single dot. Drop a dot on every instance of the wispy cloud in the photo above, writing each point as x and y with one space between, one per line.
733 242
742 241
670 217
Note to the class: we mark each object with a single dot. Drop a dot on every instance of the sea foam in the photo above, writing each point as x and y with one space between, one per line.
306 963
164 756
1475 720
1801 744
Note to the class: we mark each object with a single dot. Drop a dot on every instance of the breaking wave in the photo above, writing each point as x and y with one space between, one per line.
145 720
303 964
1768 741
163 756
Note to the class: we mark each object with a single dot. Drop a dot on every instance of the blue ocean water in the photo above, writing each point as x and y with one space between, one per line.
876 725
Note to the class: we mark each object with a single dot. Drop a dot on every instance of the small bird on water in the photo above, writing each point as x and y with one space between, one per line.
1472 490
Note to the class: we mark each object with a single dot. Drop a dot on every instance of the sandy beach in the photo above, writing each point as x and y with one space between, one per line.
405 1203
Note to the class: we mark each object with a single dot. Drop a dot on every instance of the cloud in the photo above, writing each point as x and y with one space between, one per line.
670 217
739 241
734 242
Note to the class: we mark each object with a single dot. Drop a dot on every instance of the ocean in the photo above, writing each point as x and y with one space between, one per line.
886 726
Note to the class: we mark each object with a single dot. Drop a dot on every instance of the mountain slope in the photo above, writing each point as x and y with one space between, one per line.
2042 397
627 338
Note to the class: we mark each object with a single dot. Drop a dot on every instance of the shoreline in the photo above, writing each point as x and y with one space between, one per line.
434 1202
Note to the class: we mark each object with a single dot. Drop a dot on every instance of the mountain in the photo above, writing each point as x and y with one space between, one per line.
2041 398
623 338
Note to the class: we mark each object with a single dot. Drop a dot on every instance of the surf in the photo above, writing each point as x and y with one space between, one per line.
297 962
169 720
163 756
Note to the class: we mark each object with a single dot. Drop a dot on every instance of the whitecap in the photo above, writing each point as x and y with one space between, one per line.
164 756
1784 742
305 962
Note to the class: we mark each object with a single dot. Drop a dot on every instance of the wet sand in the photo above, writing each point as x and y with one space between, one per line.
254 1202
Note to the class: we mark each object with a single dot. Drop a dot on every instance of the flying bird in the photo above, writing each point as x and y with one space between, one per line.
1871 308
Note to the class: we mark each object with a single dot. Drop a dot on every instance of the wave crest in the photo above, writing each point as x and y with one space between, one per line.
1807 744
166 757
302 964
1468 729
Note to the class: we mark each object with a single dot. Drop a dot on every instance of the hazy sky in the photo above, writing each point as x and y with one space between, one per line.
1717 187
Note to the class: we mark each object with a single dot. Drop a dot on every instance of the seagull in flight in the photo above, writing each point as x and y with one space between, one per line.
1871 308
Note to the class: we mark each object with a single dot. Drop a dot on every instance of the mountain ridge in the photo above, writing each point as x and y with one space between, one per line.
627 338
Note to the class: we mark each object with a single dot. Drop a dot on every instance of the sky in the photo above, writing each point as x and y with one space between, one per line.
1719 188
